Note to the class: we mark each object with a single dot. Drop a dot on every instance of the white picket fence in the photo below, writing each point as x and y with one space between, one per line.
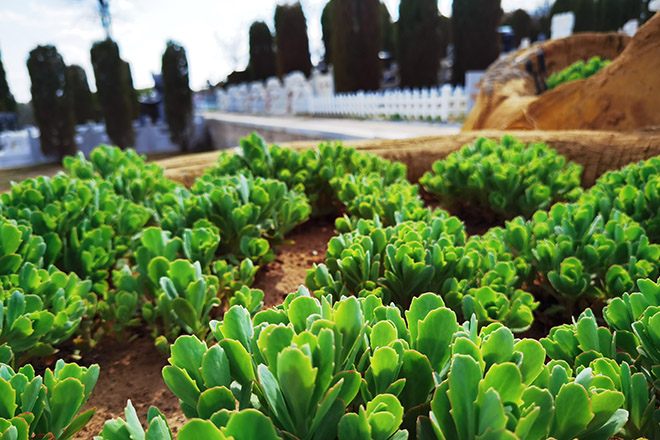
300 96
437 103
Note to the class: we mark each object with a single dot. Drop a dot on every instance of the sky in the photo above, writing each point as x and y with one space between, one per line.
213 32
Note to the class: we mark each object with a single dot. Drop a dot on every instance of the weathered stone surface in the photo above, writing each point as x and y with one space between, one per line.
623 96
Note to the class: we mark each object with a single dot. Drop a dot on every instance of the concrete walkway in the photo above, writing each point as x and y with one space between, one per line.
334 128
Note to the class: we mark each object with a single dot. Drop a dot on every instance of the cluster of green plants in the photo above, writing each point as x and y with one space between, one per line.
577 70
357 368
411 328
113 243
503 180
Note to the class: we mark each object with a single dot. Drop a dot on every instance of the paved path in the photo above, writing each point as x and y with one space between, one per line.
334 128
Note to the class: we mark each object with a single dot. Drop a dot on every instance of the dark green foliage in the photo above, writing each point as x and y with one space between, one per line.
599 15
53 107
237 77
7 101
25 114
262 56
613 14
503 179
521 23
83 106
386 27
355 45
178 96
326 28
131 93
418 42
476 43
291 40
576 71
115 92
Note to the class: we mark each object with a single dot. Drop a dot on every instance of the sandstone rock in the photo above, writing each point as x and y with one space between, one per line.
623 96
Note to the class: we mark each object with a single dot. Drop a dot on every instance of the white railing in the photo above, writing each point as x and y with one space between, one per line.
436 103
300 96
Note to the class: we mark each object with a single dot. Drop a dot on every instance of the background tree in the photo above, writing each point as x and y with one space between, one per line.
600 15
326 28
114 92
387 33
418 41
51 101
262 56
355 45
613 14
177 94
131 93
7 101
83 106
476 42
291 40
521 23
237 77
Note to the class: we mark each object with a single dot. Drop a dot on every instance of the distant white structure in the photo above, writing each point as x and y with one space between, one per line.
562 25
22 148
315 96
630 28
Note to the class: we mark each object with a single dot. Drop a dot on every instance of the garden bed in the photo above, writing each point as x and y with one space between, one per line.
403 303
133 369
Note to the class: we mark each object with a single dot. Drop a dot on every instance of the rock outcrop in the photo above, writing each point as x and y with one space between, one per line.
624 96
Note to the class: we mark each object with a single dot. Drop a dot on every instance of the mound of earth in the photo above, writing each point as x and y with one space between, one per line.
621 97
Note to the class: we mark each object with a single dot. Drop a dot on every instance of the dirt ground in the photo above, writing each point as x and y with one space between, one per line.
132 370
288 271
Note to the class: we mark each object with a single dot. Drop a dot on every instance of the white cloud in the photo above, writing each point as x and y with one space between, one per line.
8 16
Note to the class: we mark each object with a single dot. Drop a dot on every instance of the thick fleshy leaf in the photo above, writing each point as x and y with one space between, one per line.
572 412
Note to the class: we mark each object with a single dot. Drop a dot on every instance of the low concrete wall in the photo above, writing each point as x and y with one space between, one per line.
227 134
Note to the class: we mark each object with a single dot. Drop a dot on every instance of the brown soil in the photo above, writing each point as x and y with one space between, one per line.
132 370
288 271
129 370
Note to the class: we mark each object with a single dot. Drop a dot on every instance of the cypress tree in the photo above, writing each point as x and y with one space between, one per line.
586 18
476 42
326 28
178 96
386 27
51 101
7 101
521 23
291 40
83 106
262 56
613 14
355 45
131 93
114 92
418 41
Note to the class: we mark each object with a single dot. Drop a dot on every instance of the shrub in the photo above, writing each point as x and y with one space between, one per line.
262 55
503 180
52 102
115 92
576 71
355 45
177 95
83 104
291 40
